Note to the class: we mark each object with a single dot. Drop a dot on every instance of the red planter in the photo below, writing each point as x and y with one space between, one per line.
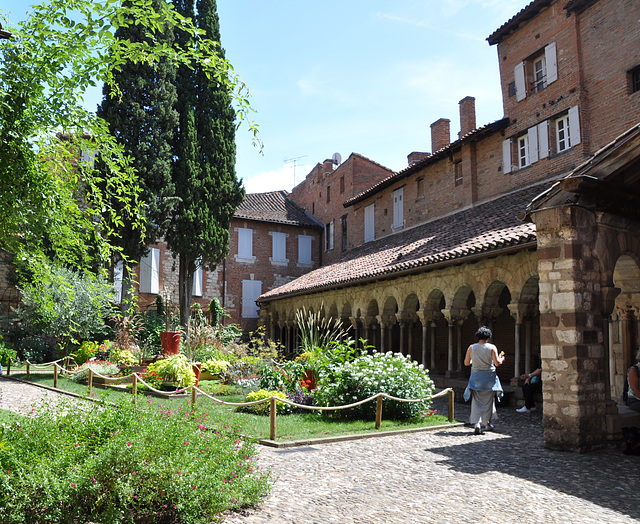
170 342
310 378
196 370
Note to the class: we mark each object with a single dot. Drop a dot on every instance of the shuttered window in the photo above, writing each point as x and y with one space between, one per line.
150 272
369 223
245 243
251 290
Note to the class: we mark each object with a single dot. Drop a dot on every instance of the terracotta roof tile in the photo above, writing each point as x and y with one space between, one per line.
481 229
274 206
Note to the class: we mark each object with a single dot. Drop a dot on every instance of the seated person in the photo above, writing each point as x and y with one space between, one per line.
532 385
633 400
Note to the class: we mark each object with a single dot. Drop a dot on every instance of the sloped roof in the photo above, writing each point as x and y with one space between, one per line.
478 231
274 206
524 15
441 153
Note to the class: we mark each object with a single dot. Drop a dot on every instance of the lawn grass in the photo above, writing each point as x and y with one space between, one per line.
302 426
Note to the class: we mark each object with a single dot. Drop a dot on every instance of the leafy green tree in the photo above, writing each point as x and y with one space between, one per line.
204 170
142 117
51 205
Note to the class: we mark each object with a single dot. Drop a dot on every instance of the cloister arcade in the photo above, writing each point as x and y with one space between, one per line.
432 316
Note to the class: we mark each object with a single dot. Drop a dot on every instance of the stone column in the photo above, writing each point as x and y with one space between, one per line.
517 312
459 358
410 325
354 323
425 333
450 323
434 325
383 332
401 325
570 329
527 346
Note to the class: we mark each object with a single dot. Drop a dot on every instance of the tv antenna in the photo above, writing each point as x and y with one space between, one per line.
294 161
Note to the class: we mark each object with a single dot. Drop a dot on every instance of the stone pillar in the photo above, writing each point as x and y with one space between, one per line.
527 347
570 329
450 323
410 325
517 312
459 358
434 325
354 323
383 332
401 325
425 333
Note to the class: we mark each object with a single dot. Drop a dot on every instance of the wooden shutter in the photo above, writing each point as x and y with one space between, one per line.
506 155
398 207
251 290
304 249
551 62
574 126
150 272
118 272
245 243
369 223
533 144
197 280
543 139
279 247
521 86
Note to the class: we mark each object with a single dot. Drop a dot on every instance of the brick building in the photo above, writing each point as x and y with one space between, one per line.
272 241
528 224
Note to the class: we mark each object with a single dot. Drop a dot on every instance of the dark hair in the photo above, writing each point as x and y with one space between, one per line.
484 333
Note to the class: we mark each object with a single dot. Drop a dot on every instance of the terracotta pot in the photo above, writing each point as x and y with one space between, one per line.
311 378
170 342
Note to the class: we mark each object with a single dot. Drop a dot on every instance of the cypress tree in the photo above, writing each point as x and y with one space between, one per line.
143 118
204 164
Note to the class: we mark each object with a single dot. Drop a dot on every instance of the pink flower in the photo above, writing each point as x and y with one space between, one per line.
235 500
94 480
128 444
73 484
194 487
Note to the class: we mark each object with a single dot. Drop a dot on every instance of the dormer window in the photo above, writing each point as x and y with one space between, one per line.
536 72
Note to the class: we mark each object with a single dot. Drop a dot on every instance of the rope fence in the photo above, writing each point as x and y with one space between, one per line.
136 379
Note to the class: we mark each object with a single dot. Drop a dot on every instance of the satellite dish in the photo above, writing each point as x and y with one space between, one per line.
336 159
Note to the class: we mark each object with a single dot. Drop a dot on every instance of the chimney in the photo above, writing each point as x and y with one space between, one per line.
440 134
467 115
416 156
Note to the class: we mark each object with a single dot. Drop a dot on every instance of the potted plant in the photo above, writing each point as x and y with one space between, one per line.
170 337
175 370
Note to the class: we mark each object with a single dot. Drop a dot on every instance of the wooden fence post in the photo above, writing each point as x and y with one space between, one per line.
55 375
28 371
9 366
134 388
451 404
194 397
379 411
272 433
90 380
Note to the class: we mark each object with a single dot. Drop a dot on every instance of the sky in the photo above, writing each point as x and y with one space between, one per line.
351 76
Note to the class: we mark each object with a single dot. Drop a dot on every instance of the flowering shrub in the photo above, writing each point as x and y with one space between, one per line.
214 366
122 355
284 377
300 396
152 378
368 375
86 351
264 408
103 367
176 369
67 464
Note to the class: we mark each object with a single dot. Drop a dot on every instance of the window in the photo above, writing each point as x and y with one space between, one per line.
341 184
563 141
369 223
328 194
420 187
343 224
523 151
304 249
328 236
118 272
197 280
634 79
457 173
398 207
245 243
536 73
279 247
251 290
539 74
150 272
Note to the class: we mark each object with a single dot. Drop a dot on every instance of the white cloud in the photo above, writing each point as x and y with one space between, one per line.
281 179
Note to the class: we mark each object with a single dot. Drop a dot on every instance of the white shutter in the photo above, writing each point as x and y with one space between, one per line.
521 88
533 144
150 272
398 208
279 247
369 223
245 243
118 272
331 234
304 249
197 280
543 139
506 155
251 290
551 62
574 126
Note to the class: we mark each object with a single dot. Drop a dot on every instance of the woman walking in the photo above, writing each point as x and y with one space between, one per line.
484 383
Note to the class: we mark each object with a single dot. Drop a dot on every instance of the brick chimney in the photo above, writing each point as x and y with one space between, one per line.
416 156
467 115
440 134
